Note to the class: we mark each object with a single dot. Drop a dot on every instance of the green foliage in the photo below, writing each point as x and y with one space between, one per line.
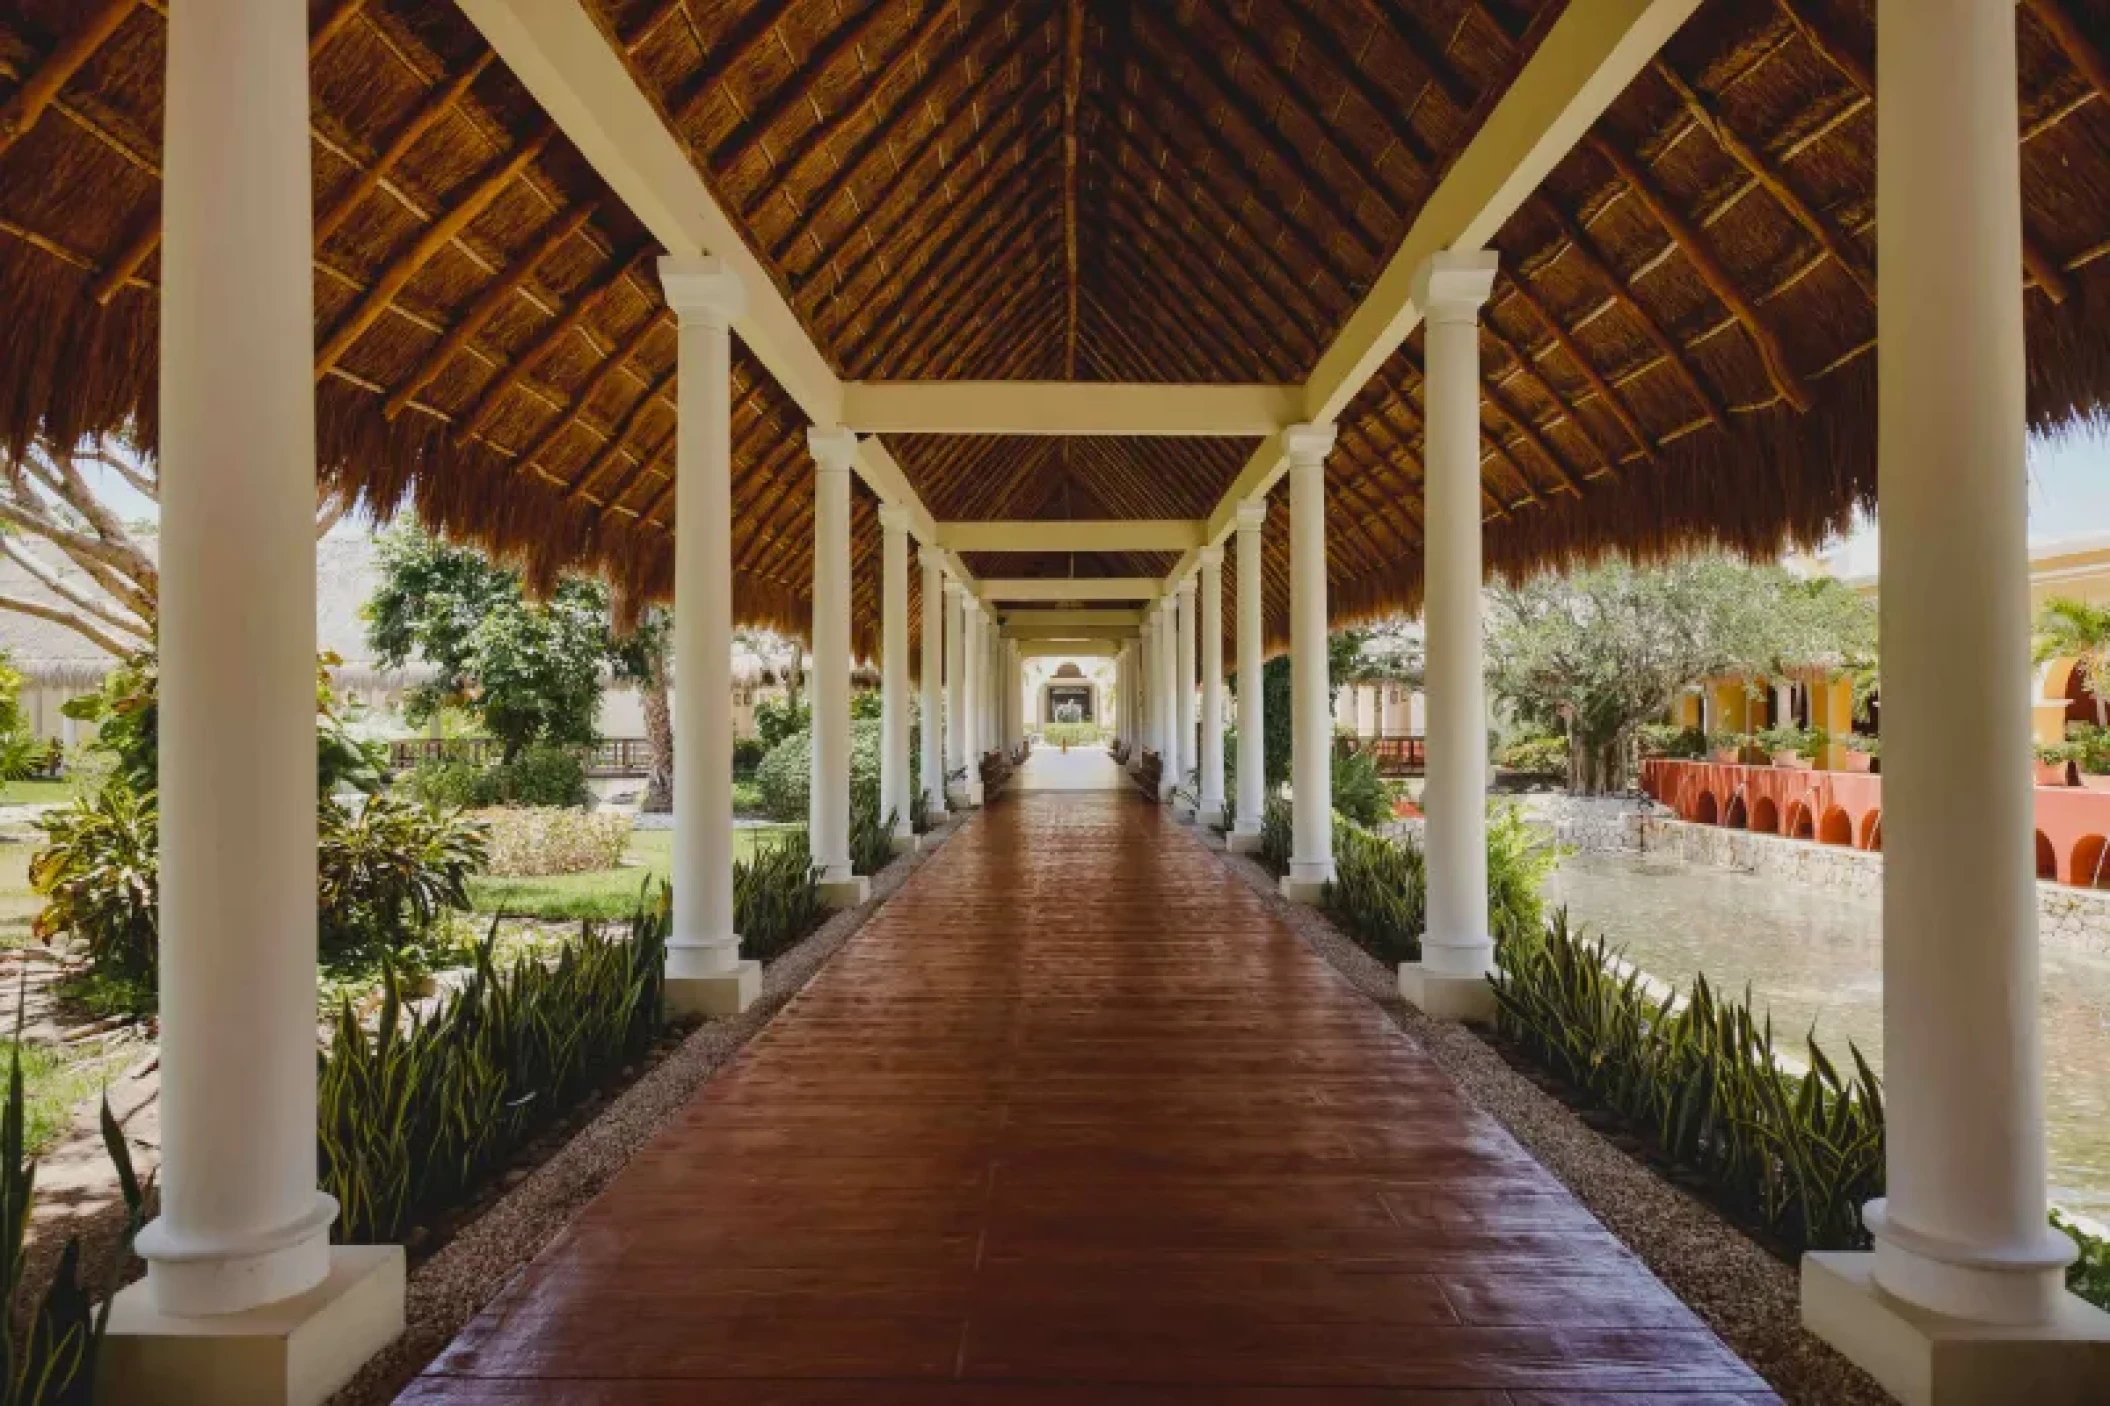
1359 793
445 784
126 711
786 774
1379 895
2089 1274
747 755
1072 734
22 753
1670 740
1277 836
541 775
779 718
871 834
1594 654
386 873
1796 1155
866 704
1538 754
747 797
2091 745
530 671
417 1112
99 874
2066 628
776 896
1786 738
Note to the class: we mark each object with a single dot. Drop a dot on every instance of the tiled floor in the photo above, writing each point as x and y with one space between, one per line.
1076 1120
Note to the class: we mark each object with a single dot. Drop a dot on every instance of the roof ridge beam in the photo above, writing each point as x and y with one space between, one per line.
1069 408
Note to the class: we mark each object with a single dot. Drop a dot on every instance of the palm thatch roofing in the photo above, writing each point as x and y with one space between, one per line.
1677 350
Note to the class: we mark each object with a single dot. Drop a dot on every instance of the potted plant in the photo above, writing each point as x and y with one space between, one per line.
1723 747
1788 747
1860 753
2092 754
2054 763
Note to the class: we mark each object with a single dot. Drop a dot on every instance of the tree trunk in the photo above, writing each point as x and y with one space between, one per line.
1596 767
659 734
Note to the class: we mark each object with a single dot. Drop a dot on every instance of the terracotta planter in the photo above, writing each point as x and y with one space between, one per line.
2048 773
1859 762
2095 781
1791 761
1723 756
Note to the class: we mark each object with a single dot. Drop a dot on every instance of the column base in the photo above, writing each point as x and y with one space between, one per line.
1462 998
845 892
1306 881
717 995
1243 842
1926 1359
1211 813
908 844
296 1352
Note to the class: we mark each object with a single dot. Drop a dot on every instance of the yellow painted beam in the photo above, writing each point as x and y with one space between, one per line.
1113 535
1068 408
1082 588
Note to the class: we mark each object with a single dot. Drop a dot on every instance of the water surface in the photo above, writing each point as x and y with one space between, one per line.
1815 958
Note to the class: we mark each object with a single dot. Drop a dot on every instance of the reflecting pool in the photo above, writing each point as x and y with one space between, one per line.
1814 957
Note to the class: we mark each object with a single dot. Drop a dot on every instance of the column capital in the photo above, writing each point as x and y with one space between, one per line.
833 450
952 586
1308 443
1252 514
894 518
1186 587
1452 284
929 556
1212 558
702 289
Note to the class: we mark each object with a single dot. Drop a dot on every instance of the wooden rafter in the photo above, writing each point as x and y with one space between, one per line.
1827 46
42 85
407 136
1612 401
524 365
1072 82
958 274
1699 252
614 364
433 238
798 90
494 297
2073 42
1520 365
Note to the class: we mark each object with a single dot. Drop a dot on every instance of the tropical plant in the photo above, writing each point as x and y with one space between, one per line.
2089 1274
1379 893
1072 734
786 774
1797 1155
776 896
2066 628
418 1111
99 874
779 718
539 775
1538 754
1277 836
1359 793
747 755
1671 740
443 782
386 871
871 834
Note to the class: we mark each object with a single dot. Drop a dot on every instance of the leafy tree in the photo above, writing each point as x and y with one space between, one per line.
2076 629
1343 649
1596 653
529 670
644 658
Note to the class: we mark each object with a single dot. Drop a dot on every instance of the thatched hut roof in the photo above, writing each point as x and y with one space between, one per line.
1678 349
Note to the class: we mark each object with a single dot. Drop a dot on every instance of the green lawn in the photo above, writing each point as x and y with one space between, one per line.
22 793
53 1081
17 904
605 894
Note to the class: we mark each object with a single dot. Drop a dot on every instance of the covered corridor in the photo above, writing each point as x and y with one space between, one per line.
1075 1118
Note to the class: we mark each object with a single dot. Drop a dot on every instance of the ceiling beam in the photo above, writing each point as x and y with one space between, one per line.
1068 408
1068 649
1114 535
1073 588
1593 51
1071 619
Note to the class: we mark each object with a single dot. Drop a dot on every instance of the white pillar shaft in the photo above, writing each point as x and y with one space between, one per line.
1456 943
895 784
1963 1229
1311 762
1212 646
830 802
1183 680
973 692
933 720
703 942
1252 707
241 1221
1168 697
955 688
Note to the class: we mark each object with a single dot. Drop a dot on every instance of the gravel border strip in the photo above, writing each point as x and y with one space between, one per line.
448 1290
1748 1297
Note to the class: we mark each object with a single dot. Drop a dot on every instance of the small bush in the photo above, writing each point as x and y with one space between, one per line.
748 753
1079 734
777 719
786 774
2089 1274
99 874
1379 894
1359 793
1536 756
385 873
536 841
1277 836
417 1112
542 775
1670 740
776 896
747 798
871 834
447 785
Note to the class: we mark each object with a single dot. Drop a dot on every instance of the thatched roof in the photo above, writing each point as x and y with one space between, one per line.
1677 350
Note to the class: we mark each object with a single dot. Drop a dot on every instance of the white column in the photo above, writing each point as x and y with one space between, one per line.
1014 694
828 830
705 975
933 720
1457 951
955 691
1252 707
1147 683
1311 759
971 670
1962 1229
1212 646
896 786
1183 678
1168 646
242 1224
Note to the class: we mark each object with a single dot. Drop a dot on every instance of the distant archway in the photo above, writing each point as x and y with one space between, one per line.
1735 817
2047 857
1800 826
1872 832
1765 816
2091 868
1704 810
1835 828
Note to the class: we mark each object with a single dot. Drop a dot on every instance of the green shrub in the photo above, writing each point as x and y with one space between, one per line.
1277 836
385 873
1379 894
2089 1274
1072 734
747 755
871 834
776 896
99 874
449 785
1520 858
1543 755
1796 1155
747 798
786 774
542 775
536 841
1359 793
1671 740
416 1113
777 719
866 705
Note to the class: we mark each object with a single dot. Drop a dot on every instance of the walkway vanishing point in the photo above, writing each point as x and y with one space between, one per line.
1076 1119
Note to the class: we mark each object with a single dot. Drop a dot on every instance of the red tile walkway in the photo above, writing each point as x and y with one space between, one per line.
1074 1119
